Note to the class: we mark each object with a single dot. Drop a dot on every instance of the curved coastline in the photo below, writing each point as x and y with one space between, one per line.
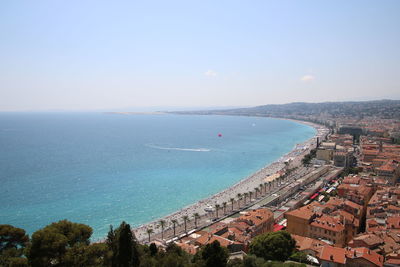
244 185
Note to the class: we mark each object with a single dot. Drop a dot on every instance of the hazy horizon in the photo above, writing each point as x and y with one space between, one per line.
176 108
132 56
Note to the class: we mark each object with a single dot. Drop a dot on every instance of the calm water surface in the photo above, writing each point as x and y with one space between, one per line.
100 169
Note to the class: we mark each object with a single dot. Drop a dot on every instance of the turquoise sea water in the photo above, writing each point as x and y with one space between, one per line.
100 169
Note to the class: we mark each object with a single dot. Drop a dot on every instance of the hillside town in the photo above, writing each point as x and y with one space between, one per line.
341 205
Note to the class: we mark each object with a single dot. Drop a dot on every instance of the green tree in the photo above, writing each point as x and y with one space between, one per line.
216 210
196 217
213 255
307 158
174 222
185 220
224 206
299 257
149 262
48 248
111 242
12 237
253 261
273 246
127 253
174 256
13 240
50 244
235 263
76 233
232 200
239 197
124 246
162 224
16 262
149 232
93 255
153 249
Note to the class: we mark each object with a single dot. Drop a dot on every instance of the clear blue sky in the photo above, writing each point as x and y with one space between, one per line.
82 55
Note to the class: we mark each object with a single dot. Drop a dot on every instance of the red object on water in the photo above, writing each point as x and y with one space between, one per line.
219 135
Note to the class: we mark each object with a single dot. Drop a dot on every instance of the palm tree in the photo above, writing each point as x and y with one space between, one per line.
250 193
260 187
239 198
232 200
216 209
265 187
149 232
245 197
185 220
224 205
162 224
196 217
174 222
286 165
255 191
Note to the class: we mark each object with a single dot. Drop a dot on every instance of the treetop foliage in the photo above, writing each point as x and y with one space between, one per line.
12 237
67 244
276 246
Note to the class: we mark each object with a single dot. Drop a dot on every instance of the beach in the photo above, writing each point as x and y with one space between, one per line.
289 160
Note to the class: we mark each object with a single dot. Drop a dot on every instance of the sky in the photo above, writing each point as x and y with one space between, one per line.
116 55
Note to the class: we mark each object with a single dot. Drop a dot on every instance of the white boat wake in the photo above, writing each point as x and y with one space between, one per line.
180 149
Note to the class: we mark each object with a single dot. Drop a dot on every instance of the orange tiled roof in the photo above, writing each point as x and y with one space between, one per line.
209 238
393 222
257 217
395 262
333 254
392 207
365 253
189 248
237 235
306 212
306 243
348 217
369 239
242 226
351 180
328 223
353 205
341 255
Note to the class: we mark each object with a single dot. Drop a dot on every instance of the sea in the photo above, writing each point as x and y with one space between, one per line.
101 169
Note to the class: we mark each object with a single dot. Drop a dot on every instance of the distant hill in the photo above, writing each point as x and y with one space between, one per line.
379 108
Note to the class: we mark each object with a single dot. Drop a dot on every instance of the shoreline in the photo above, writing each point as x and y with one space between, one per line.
248 183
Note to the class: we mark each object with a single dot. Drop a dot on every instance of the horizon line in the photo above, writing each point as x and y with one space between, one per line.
158 108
